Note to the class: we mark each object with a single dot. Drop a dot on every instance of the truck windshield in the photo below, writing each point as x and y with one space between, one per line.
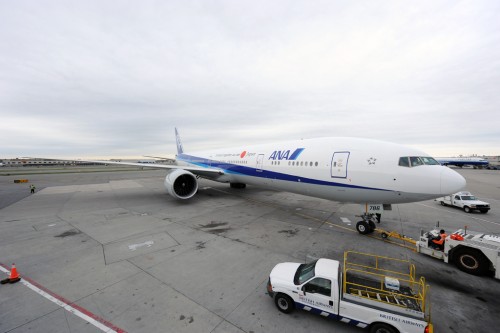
468 197
304 273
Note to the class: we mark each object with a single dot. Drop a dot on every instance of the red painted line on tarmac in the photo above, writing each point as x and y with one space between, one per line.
70 304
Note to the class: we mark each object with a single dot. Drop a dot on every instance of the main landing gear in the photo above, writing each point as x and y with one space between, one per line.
367 225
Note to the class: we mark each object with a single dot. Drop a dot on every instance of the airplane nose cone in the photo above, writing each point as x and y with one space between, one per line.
451 181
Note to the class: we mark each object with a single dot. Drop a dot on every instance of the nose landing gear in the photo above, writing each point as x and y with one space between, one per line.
367 225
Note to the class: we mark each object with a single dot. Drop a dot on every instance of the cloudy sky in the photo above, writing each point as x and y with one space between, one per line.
113 78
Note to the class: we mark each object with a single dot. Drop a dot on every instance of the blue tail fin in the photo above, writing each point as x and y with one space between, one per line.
178 141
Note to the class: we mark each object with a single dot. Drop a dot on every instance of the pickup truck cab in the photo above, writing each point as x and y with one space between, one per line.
369 293
466 201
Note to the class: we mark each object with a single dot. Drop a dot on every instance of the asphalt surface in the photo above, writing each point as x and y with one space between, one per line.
116 247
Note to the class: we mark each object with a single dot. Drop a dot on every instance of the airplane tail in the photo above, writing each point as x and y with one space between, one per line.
179 143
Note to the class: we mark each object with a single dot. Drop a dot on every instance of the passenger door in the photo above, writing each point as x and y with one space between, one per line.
260 162
318 296
339 164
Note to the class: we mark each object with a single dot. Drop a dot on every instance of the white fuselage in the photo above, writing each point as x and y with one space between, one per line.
341 169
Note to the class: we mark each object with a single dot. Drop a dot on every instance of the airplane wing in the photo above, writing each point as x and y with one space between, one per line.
162 158
202 172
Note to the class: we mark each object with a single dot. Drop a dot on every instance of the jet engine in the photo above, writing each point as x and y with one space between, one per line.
181 184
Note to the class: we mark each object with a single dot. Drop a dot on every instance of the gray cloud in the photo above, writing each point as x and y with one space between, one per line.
113 78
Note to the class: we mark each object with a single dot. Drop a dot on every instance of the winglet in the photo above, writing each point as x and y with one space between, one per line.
178 141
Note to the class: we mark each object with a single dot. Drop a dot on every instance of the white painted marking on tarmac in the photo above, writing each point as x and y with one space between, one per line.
64 305
469 215
134 247
51 225
345 220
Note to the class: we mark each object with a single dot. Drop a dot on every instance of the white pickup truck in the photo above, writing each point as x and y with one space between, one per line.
465 201
370 291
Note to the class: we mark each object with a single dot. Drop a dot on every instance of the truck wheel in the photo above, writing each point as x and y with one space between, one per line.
284 303
471 261
363 228
467 209
442 203
383 328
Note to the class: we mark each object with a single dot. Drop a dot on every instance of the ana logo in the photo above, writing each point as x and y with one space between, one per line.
286 154
243 154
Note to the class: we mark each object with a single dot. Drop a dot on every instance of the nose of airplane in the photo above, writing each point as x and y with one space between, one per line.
451 181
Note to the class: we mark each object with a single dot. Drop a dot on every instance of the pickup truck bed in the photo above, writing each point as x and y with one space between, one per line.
385 283
371 290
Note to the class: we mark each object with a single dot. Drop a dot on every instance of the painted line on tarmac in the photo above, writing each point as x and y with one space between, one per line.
345 220
77 310
469 216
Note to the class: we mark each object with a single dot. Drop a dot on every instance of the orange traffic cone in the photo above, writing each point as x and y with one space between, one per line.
14 276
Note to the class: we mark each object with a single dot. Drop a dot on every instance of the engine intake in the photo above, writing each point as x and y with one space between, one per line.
181 184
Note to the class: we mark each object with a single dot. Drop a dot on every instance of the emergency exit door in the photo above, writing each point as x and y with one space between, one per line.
340 160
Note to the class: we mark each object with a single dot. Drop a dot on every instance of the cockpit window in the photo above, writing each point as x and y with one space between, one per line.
415 161
407 161
429 160
403 161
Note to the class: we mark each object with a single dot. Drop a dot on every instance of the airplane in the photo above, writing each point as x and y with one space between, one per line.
352 170
461 161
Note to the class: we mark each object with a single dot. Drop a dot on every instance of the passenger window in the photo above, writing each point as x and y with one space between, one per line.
457 197
403 161
319 286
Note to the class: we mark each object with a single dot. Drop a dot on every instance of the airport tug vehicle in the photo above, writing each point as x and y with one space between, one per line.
472 252
379 293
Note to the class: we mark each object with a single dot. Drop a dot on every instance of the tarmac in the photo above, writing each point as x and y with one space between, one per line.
113 252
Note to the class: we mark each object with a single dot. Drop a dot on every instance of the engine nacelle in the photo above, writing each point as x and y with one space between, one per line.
181 184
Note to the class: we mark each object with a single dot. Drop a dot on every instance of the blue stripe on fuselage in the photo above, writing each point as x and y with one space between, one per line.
262 173
296 154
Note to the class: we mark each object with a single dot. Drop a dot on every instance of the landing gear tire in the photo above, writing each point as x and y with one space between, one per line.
237 185
372 225
471 261
383 328
364 228
284 303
